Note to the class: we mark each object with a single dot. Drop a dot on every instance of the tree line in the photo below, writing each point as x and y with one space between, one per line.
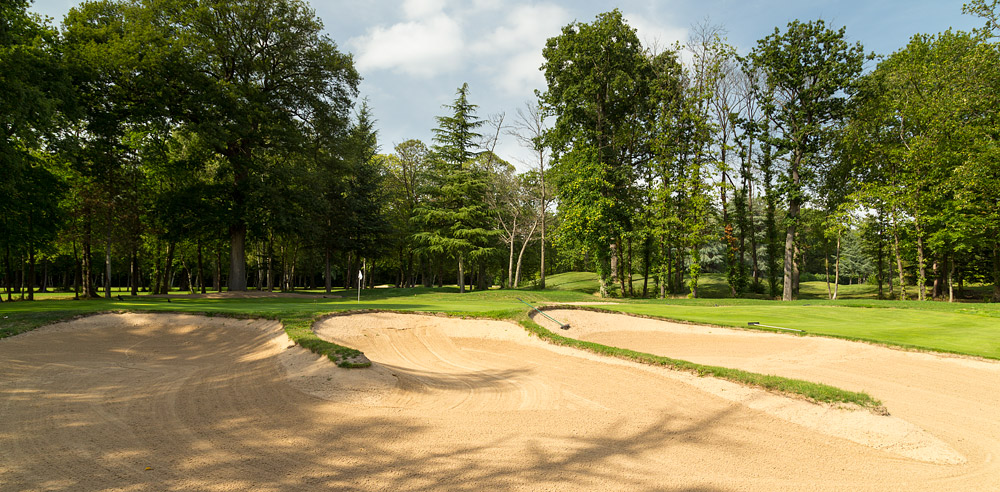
203 144
790 159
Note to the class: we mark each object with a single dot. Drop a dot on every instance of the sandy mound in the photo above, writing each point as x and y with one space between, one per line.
175 402
927 393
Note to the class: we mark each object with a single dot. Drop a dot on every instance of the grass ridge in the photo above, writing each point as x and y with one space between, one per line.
801 333
816 392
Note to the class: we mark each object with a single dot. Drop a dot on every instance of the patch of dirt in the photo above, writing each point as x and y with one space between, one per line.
180 402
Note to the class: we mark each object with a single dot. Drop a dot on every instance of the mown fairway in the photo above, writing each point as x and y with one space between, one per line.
964 328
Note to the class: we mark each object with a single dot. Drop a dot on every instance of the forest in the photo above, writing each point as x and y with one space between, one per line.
158 146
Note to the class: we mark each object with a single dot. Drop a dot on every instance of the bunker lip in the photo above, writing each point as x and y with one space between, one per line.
929 391
181 402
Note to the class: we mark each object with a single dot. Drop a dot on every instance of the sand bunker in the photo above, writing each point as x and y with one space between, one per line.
177 402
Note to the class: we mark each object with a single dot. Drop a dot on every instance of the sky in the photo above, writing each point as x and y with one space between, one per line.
413 55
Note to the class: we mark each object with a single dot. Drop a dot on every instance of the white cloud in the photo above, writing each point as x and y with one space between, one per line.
512 53
653 34
526 26
418 9
420 48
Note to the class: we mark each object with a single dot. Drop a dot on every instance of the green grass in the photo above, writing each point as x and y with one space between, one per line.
899 324
964 328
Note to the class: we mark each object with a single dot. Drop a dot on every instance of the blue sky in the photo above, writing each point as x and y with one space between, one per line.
414 54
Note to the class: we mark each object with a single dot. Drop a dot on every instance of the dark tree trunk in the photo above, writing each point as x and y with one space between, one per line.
218 269
107 259
647 247
270 263
168 270
201 270
134 271
9 272
541 280
797 266
327 277
45 277
158 269
996 272
628 269
31 272
921 267
793 214
237 258
88 274
936 290
899 264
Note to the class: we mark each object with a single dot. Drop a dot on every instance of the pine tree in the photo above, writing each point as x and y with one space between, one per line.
455 220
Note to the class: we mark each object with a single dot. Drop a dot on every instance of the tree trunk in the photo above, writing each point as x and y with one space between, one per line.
290 283
158 271
541 280
88 274
45 276
201 271
270 263
996 272
881 266
664 267
646 258
921 268
826 265
794 205
327 277
21 278
510 259
628 268
836 269
694 270
9 277
218 269
798 265
899 264
107 259
411 278
951 277
237 258
78 273
936 286
31 272
168 270
614 265
134 270
788 287
520 256
461 275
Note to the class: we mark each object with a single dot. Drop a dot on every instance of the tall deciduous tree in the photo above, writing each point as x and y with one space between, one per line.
807 68
254 73
34 89
597 79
